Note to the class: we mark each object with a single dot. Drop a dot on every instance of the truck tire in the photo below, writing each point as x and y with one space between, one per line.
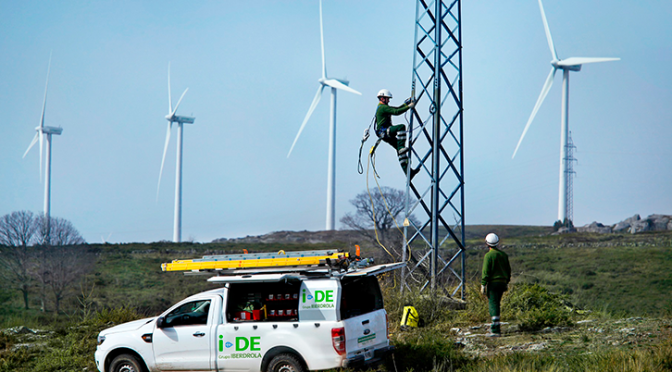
285 363
126 363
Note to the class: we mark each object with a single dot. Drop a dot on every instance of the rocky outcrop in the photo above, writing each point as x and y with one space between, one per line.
640 226
633 225
595 227
625 224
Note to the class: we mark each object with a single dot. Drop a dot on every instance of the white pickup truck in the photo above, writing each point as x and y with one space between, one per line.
278 322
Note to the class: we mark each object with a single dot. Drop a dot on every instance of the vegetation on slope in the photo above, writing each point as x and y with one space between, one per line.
625 281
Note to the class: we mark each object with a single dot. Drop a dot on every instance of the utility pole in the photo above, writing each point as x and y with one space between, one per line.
434 245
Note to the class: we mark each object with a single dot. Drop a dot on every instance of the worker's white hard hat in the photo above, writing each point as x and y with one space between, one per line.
492 240
385 93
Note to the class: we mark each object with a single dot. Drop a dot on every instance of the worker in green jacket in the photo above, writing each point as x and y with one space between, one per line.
395 135
495 280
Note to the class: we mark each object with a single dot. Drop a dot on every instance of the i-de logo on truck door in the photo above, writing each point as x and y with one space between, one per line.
321 299
250 344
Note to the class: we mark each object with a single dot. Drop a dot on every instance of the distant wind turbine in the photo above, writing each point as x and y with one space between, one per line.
42 132
334 84
566 65
172 118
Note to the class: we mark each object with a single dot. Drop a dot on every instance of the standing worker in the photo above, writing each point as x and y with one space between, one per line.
495 280
395 135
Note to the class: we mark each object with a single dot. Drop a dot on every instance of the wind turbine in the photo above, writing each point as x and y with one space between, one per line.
566 65
172 118
42 132
334 84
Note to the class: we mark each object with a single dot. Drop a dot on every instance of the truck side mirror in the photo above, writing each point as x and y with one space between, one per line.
160 322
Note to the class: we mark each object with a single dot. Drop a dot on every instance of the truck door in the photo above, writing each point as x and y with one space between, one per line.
186 339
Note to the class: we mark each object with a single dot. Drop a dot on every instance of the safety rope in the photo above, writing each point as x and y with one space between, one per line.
373 207
371 164
365 137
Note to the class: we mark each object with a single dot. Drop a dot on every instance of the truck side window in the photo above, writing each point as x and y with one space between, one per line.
360 296
191 313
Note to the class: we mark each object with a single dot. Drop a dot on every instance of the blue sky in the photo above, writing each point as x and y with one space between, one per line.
252 70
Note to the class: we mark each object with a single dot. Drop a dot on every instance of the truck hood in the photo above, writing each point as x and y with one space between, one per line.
130 326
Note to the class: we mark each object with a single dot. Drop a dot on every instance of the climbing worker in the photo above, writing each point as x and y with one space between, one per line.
395 135
495 280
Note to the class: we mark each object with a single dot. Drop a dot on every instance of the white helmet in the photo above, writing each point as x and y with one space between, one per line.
492 240
385 93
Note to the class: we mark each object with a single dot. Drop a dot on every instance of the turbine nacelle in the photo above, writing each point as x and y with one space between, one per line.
180 119
327 81
50 130
564 66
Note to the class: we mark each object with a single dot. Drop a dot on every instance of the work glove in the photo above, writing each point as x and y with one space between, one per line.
484 290
410 102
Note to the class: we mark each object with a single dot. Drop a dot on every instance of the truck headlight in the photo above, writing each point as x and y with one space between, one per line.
101 339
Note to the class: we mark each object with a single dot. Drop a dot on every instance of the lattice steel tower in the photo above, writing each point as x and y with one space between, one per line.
435 236
569 176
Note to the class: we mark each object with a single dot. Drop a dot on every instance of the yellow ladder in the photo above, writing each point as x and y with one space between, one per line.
255 260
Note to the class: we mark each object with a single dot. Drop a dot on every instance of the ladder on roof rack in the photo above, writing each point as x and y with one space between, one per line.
299 260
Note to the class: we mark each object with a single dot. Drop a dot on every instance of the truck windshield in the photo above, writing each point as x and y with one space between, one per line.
360 295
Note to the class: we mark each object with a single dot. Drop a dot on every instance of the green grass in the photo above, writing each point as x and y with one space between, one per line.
613 275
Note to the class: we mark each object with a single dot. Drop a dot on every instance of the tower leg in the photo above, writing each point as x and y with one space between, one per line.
331 171
177 226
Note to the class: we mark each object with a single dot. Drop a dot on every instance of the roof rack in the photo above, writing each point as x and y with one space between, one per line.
236 264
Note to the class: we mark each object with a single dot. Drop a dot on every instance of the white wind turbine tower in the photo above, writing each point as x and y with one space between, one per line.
42 132
180 120
334 84
566 65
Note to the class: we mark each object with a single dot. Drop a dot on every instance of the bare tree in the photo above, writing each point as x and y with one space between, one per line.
17 233
60 259
61 266
58 232
388 215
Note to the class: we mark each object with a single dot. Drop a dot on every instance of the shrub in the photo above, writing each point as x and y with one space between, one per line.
536 308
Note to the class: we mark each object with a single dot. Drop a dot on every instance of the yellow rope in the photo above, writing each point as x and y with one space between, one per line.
373 208
386 206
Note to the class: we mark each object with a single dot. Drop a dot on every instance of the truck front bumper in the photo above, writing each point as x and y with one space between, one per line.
359 361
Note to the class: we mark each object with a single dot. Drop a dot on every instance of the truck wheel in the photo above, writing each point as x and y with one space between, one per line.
126 363
285 363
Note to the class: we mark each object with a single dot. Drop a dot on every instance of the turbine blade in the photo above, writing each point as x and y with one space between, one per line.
44 102
577 61
178 102
540 100
170 100
163 160
338 85
40 134
548 32
316 100
32 143
324 63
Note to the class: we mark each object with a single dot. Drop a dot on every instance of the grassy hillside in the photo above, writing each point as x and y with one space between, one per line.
625 280
628 274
